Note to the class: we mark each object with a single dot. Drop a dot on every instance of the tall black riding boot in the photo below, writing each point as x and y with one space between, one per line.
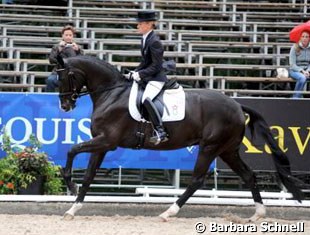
159 132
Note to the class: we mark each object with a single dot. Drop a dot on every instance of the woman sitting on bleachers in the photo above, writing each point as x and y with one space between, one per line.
299 63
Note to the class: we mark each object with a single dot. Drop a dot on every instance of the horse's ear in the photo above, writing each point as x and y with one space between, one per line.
60 61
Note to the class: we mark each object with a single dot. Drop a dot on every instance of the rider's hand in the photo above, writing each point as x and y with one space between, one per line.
129 75
135 76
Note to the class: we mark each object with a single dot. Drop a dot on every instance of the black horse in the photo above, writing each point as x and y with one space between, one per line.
212 120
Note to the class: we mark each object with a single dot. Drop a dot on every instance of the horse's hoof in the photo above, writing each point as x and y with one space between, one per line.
68 216
164 217
172 211
256 217
260 212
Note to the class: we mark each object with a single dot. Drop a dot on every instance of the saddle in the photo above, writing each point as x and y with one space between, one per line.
170 102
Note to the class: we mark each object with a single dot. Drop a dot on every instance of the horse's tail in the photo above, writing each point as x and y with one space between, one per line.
257 124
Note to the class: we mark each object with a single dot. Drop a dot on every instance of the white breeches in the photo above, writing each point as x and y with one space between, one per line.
152 89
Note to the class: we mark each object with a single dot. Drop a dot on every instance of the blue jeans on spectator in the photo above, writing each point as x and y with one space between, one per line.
51 82
7 1
300 82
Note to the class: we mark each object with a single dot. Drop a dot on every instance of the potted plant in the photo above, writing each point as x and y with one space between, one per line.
28 170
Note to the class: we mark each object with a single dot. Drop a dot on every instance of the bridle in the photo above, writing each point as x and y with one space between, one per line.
75 93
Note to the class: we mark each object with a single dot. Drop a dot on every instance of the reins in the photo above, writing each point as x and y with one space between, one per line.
75 93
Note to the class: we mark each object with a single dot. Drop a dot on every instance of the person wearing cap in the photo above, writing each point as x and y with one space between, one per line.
150 71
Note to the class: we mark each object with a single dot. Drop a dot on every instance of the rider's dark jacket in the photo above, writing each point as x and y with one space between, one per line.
150 68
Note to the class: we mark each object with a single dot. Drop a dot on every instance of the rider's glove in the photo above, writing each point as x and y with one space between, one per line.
135 76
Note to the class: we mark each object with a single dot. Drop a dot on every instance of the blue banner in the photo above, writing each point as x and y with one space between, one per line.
24 114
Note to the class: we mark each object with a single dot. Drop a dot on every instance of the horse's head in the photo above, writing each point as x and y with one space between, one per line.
70 84
76 72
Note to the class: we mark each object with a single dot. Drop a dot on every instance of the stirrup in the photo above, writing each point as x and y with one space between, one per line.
157 138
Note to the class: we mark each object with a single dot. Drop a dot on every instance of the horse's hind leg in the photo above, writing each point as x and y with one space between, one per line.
234 161
202 165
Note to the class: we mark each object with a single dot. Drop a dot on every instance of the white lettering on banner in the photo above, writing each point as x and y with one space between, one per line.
84 129
39 126
191 148
9 127
40 130
68 131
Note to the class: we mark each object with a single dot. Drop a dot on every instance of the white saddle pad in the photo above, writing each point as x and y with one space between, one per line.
174 100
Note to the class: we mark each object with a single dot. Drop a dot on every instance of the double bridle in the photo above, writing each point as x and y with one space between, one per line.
75 93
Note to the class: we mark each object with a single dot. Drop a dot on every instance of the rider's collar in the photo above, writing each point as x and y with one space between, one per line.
145 36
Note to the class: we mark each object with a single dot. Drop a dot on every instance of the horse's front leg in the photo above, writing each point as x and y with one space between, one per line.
97 144
67 171
94 163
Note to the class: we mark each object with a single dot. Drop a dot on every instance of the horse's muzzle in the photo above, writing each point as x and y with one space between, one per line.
67 106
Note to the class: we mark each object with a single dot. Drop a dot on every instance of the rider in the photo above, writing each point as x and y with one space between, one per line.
150 71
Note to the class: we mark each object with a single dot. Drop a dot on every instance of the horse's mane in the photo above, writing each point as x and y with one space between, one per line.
100 63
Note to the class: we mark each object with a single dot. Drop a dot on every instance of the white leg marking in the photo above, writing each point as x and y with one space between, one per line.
259 213
172 211
69 215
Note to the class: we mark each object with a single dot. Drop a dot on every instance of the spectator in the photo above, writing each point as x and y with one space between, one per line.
65 48
7 1
299 63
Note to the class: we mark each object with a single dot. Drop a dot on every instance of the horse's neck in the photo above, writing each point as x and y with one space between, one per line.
99 76
100 84
117 94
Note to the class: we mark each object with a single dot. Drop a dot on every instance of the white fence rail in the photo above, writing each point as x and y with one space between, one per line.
162 196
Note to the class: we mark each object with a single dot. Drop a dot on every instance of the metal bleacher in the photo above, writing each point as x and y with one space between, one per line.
224 45
204 37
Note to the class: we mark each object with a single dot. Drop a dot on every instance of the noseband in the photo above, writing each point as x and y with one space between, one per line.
73 91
